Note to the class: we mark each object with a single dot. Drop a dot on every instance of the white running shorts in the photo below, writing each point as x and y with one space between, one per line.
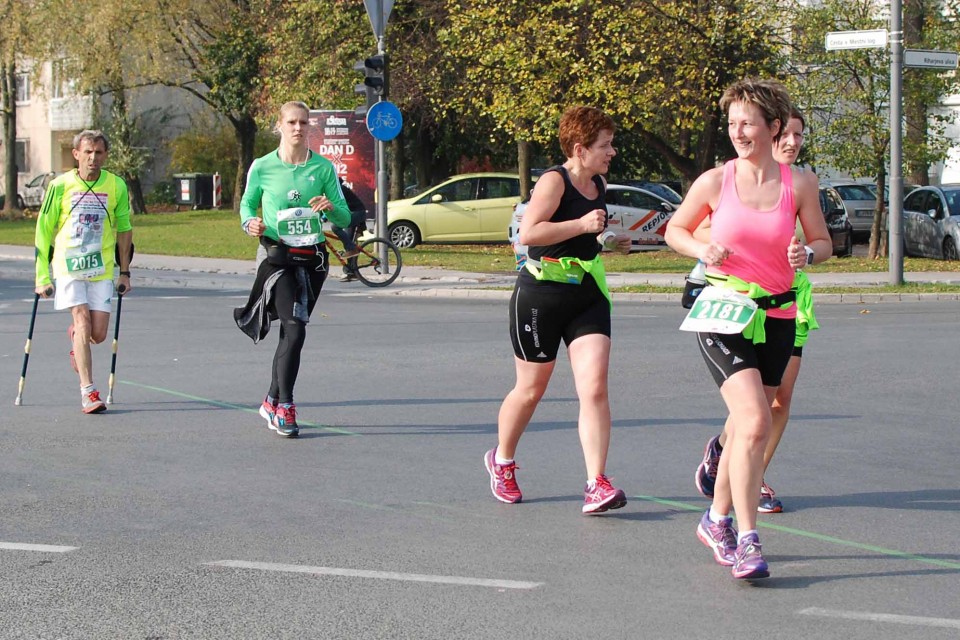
95 293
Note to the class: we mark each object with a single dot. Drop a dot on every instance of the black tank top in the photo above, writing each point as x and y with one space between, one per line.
573 205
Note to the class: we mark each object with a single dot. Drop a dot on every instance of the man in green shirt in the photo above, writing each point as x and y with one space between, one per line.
82 230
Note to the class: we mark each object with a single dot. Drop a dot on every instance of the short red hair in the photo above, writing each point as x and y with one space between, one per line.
583 125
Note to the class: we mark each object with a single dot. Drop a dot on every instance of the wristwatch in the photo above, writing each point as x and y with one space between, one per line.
809 254
125 273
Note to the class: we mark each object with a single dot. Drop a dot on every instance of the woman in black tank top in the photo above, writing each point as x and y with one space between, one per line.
566 219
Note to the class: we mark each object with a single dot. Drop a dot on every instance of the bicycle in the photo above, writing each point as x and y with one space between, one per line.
369 268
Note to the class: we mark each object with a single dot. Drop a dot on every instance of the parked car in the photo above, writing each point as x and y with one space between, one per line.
860 201
34 190
659 188
3 201
838 224
31 195
472 207
931 222
631 210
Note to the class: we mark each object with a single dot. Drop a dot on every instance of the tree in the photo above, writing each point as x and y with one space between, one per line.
16 45
658 68
846 96
108 68
214 51
926 25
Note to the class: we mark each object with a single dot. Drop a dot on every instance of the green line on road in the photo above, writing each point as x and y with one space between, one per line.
228 405
817 536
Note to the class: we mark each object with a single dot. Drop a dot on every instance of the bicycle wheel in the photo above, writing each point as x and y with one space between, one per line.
371 270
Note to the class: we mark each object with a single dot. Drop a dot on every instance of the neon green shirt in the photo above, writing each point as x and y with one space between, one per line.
75 213
275 185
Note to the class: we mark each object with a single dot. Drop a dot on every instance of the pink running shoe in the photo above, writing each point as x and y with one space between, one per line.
267 412
602 496
91 403
503 479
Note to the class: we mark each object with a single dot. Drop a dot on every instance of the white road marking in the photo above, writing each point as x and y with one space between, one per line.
947 623
379 575
48 548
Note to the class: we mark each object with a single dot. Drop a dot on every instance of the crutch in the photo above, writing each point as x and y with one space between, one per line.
116 338
116 327
26 347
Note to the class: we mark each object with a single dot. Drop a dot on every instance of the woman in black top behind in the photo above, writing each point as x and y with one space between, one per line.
562 295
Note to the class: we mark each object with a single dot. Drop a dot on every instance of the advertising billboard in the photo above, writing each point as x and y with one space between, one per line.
342 138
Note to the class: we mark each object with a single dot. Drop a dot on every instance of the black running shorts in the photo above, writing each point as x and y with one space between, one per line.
544 313
726 354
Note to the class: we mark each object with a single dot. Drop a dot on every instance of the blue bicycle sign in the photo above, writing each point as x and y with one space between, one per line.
384 121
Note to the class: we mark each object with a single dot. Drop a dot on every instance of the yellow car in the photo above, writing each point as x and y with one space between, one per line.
472 207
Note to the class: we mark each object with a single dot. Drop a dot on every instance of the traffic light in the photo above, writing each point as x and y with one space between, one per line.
377 76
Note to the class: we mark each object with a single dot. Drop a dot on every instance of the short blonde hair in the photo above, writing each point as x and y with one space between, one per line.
769 96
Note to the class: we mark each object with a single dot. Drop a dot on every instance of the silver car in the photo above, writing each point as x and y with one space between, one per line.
860 201
931 222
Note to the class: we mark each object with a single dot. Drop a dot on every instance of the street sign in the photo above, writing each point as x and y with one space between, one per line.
869 39
384 121
922 59
379 12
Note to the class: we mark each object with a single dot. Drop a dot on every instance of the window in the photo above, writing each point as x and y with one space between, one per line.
639 200
833 202
459 191
22 157
57 80
23 87
856 192
915 201
953 201
501 188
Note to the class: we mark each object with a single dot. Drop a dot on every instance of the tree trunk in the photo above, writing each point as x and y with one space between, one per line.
8 93
135 191
878 232
245 129
397 162
523 167
423 158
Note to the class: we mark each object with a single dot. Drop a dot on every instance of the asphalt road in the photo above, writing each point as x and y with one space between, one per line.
177 514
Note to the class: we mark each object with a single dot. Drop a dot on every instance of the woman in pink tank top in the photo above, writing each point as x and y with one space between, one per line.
753 203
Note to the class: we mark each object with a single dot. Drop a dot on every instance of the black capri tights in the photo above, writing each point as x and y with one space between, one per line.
293 334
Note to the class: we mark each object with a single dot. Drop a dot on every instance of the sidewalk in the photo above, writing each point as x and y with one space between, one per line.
214 273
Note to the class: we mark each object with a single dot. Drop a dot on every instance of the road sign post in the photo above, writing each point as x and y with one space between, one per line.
877 39
895 208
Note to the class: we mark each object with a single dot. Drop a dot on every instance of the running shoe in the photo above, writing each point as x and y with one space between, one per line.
602 496
285 421
73 358
348 277
721 537
267 412
769 502
503 478
91 402
748 562
706 476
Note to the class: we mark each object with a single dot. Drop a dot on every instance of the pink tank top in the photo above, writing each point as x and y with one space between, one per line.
758 239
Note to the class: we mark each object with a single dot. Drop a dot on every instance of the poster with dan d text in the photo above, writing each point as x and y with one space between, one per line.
342 138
